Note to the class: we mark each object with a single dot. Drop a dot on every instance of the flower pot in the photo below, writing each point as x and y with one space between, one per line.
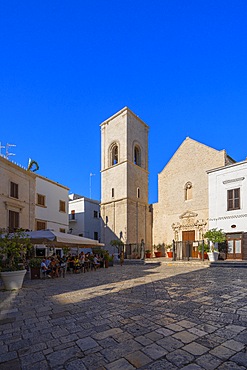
106 264
157 254
13 279
169 254
148 255
205 255
213 256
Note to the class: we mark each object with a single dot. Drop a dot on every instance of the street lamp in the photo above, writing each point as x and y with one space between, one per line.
91 174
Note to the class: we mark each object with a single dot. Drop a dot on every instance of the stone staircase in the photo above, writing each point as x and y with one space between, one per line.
169 261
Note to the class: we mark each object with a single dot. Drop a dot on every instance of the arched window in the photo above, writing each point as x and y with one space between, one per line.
188 191
137 155
138 192
114 154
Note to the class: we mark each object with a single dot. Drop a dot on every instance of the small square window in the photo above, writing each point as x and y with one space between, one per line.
95 214
40 225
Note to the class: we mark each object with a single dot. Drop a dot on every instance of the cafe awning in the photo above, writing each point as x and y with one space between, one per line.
59 239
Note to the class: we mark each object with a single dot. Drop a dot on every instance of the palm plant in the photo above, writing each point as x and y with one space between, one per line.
13 249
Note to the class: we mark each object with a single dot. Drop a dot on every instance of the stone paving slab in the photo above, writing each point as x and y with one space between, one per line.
153 316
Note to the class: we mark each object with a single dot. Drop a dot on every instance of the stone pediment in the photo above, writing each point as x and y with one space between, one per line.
188 214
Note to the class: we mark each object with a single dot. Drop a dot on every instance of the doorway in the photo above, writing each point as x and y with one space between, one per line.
234 246
188 238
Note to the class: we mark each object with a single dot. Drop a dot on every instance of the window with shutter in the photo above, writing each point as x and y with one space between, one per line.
13 220
61 206
41 200
14 190
233 199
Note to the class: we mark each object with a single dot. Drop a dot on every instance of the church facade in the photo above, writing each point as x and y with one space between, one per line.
181 213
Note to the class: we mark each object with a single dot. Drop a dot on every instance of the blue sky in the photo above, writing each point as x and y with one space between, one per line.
66 66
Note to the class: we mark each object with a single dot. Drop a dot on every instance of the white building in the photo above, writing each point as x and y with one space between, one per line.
84 217
51 208
228 206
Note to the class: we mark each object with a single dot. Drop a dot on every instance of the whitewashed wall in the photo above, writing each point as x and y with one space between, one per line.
53 192
84 223
221 180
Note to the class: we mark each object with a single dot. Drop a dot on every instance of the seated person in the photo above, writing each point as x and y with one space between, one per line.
62 266
96 262
82 257
44 268
77 265
54 267
47 261
70 262
87 263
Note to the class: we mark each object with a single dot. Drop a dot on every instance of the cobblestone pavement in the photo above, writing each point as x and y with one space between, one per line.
175 316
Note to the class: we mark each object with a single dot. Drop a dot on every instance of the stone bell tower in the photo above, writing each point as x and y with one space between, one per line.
124 180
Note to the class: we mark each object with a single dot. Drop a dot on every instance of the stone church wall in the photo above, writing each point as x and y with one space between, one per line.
188 164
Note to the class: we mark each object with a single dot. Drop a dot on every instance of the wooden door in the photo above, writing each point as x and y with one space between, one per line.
234 248
189 237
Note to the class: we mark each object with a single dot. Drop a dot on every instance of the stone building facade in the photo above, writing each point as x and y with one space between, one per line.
17 196
124 180
181 213
30 201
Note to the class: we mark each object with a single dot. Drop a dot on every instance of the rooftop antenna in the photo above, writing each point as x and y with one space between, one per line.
7 150
1 147
91 174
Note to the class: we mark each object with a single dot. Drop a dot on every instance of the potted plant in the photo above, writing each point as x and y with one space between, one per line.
13 249
158 251
214 236
169 251
110 262
117 243
34 265
206 250
148 253
106 259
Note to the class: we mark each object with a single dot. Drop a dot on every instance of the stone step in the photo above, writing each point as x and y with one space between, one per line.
169 261
130 262
228 264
